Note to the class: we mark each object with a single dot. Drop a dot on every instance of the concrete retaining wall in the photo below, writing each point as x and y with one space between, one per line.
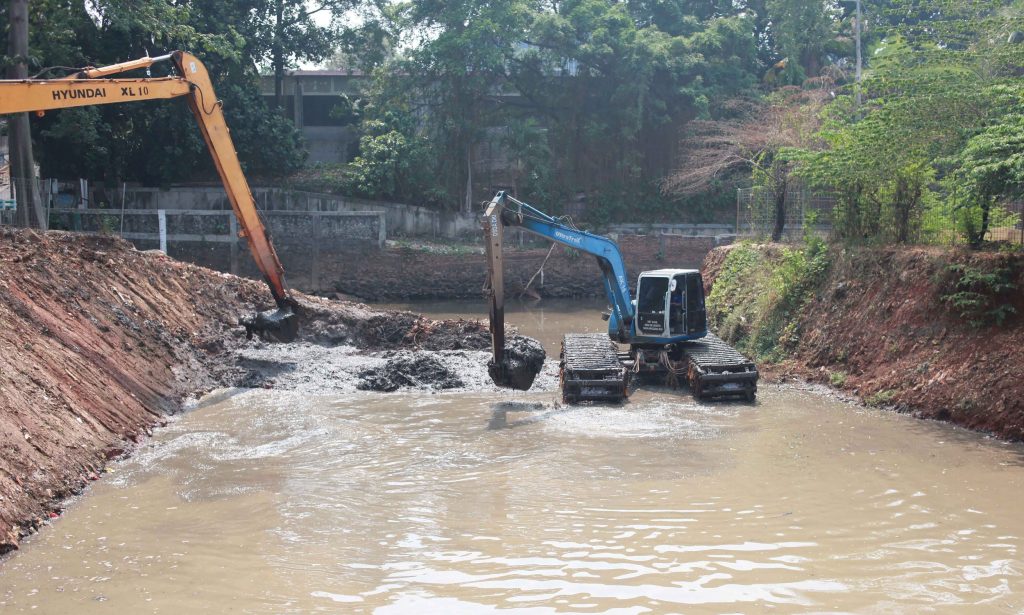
402 219
407 274
402 274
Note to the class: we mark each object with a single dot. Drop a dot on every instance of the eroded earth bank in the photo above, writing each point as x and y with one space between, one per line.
100 343
931 332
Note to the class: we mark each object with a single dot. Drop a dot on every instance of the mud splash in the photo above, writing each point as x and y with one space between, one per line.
317 369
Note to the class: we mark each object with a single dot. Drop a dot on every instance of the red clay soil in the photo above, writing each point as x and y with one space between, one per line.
100 342
880 324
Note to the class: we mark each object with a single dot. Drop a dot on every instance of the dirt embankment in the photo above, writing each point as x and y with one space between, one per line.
935 333
101 342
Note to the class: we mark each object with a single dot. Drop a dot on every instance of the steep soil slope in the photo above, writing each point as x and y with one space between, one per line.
99 342
883 323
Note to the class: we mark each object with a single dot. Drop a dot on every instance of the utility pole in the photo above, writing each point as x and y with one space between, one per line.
859 61
19 132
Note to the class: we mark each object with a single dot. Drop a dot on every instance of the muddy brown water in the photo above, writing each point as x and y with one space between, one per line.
475 502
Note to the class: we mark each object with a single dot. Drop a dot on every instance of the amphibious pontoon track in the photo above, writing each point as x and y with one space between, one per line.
716 369
591 370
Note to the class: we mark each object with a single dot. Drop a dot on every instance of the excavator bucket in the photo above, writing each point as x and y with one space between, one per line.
507 378
280 325
522 360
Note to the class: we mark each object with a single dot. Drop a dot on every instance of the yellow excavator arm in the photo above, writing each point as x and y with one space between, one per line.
91 86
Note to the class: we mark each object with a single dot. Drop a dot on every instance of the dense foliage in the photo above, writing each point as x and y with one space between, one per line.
553 99
644 110
158 142
934 147
759 294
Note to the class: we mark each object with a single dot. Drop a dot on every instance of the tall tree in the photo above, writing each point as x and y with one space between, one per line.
597 89
457 78
157 143
752 142
22 162
803 30
631 85
296 31
940 103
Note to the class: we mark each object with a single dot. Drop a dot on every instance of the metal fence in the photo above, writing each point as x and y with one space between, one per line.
1009 223
208 226
947 223
943 222
306 241
804 211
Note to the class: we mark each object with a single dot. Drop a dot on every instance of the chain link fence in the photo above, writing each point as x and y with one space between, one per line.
943 222
949 223
1008 224
805 211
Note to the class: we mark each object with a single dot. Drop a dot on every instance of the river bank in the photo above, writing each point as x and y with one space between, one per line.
935 333
101 343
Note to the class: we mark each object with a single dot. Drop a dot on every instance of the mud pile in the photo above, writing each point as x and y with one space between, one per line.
409 370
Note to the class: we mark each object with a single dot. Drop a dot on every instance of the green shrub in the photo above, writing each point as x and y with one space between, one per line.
837 379
756 303
882 398
980 297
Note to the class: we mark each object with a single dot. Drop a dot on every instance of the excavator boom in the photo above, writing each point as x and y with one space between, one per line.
91 87
31 95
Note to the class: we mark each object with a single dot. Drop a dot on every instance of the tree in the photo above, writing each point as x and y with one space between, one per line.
156 143
455 80
602 86
937 82
803 30
372 42
289 33
621 90
22 163
752 141
989 167
393 161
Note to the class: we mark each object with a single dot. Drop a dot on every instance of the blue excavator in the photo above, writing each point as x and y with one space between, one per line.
665 326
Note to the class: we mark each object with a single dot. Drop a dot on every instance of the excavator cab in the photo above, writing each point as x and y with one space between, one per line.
670 304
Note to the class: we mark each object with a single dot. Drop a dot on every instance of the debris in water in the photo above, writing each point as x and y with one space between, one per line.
409 369
524 358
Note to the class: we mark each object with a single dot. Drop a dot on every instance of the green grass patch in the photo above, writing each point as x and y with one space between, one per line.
759 294
882 398
837 379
